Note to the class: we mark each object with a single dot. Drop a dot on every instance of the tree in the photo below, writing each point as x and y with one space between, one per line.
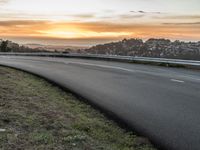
4 46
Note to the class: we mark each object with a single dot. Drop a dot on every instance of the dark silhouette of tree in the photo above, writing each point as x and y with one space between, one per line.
4 46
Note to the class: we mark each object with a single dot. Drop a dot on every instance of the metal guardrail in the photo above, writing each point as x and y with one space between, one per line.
178 62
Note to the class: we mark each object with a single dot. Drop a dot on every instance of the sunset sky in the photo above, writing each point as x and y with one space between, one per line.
88 22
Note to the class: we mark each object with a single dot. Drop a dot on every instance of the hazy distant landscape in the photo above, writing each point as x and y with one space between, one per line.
159 48
59 48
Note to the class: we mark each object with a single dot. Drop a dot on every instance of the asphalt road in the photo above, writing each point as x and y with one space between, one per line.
159 102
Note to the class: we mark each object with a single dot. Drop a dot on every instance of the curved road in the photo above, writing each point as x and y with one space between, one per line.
159 102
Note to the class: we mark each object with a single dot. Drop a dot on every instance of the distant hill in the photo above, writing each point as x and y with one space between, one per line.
53 47
151 48
9 46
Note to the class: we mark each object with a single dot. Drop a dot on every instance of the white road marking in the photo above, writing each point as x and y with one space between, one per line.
133 71
102 66
2 130
175 80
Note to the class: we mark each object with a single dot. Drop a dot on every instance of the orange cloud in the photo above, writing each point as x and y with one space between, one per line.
3 1
97 30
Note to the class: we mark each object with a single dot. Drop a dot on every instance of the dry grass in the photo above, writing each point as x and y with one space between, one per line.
37 115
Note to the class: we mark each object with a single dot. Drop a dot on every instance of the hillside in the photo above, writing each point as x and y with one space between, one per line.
151 48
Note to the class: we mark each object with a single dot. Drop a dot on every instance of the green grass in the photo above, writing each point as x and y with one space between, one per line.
38 115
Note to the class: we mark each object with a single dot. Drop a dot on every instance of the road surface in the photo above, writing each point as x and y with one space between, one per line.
159 102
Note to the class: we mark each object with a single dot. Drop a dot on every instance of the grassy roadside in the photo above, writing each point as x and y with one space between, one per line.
36 115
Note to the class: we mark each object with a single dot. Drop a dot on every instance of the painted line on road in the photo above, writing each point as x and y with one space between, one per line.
130 70
102 66
179 81
2 130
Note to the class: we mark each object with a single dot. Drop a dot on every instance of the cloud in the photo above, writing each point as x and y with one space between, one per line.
180 23
3 1
83 16
130 16
23 27
5 14
178 17
96 30
10 23
145 12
